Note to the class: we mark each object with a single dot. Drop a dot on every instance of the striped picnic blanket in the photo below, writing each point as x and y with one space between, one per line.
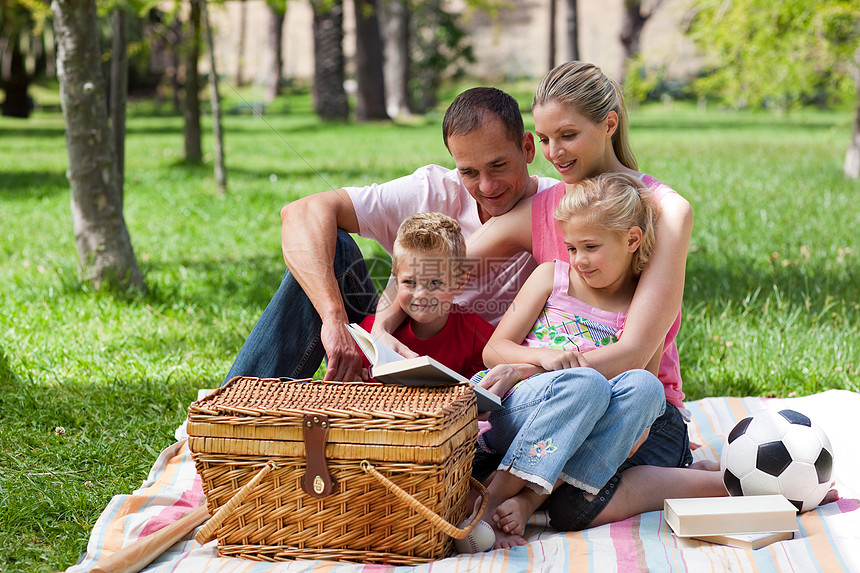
828 540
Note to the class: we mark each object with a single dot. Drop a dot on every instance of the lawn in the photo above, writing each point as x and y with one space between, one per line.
93 384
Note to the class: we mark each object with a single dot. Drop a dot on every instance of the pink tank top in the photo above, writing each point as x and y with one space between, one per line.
567 323
548 244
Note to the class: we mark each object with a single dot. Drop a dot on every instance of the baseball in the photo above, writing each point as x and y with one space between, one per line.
481 539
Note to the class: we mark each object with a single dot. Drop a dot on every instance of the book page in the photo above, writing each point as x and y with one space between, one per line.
377 352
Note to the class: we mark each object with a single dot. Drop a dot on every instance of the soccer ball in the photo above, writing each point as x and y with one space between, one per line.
778 452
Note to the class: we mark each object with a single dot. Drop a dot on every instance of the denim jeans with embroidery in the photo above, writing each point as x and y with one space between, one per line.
573 424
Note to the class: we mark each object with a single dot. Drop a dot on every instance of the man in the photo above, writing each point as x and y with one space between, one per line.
327 283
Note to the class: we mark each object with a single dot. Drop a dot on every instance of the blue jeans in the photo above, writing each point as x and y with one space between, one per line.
668 445
573 424
286 339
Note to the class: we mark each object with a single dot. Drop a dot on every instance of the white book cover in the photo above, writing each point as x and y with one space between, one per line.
697 516
391 367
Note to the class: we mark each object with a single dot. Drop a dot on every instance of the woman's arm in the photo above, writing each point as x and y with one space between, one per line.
500 238
658 295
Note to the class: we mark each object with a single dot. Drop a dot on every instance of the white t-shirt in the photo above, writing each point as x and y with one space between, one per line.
381 207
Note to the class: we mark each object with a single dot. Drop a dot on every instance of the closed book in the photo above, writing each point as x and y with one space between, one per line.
696 516
387 366
748 540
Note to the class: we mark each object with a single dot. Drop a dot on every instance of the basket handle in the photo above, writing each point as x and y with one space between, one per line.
208 530
427 513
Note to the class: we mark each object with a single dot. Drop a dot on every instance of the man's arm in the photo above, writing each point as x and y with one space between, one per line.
308 241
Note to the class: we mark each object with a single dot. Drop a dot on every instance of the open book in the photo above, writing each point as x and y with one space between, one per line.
388 366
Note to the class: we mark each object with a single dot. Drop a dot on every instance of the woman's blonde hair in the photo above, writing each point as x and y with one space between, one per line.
428 234
617 202
585 87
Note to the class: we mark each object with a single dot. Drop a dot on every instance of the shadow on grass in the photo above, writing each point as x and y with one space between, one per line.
811 285
26 184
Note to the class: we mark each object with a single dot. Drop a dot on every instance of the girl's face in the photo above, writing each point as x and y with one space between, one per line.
577 147
600 256
425 291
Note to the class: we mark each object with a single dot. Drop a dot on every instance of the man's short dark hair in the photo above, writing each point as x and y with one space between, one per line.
469 111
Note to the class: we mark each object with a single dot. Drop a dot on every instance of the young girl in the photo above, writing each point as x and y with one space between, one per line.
570 424
581 122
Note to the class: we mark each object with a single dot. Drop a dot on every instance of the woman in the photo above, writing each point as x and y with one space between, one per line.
581 123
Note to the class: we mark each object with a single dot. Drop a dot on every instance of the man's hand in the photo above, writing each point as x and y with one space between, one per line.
344 357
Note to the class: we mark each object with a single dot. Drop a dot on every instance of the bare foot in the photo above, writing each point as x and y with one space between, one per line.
512 515
830 497
507 540
708 465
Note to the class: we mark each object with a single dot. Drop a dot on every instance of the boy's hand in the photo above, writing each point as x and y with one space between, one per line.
500 379
391 342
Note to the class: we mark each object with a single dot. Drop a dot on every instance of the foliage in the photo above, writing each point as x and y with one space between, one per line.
771 301
440 52
777 53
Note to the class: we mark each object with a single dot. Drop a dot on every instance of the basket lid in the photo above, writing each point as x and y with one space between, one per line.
358 412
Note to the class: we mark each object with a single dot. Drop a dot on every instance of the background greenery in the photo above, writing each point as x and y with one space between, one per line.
93 384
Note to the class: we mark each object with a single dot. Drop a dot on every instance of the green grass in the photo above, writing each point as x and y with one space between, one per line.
771 301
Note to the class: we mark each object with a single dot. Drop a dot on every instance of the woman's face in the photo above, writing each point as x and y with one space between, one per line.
577 147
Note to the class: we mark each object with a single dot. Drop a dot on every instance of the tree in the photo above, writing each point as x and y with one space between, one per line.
395 31
329 94
274 54
636 14
215 103
191 111
119 92
572 31
551 32
781 53
101 236
370 103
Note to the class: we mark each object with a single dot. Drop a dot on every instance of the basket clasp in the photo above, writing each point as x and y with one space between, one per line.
317 480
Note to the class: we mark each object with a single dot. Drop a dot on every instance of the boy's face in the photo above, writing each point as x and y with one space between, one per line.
425 291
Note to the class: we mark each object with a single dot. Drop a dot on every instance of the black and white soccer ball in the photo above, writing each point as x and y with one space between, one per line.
778 452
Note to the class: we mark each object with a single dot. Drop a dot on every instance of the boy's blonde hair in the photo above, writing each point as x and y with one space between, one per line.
431 234
593 95
617 202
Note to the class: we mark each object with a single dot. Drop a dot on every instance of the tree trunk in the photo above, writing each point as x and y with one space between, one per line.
119 93
215 103
370 103
328 92
191 131
395 32
103 244
551 31
631 32
852 156
274 54
572 31
240 44
15 81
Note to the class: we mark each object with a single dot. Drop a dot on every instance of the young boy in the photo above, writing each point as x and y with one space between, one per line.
428 268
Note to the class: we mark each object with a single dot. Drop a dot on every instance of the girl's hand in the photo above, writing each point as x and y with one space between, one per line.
561 360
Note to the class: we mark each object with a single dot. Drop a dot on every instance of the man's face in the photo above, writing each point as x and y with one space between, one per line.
493 168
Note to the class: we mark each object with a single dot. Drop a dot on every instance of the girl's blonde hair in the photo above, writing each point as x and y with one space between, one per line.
585 87
431 234
617 202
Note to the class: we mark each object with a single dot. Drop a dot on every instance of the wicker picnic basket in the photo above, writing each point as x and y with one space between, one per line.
335 470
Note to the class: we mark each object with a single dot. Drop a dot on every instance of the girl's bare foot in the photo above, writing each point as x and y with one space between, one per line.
512 515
